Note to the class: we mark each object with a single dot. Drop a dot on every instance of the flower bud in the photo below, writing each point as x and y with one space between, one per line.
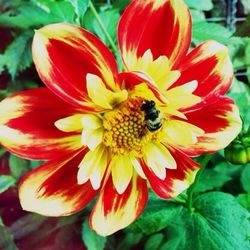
237 153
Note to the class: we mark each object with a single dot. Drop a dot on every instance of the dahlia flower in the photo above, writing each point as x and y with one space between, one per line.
114 134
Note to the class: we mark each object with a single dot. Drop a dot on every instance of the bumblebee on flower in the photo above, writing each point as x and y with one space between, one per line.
112 133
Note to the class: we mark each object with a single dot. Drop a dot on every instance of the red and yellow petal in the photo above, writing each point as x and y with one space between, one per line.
141 85
101 96
221 123
52 188
64 54
27 125
164 27
114 211
209 64
176 180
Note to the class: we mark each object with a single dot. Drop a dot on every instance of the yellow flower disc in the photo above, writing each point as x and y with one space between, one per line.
125 131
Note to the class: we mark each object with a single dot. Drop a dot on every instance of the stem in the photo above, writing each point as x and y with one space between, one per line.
98 19
191 189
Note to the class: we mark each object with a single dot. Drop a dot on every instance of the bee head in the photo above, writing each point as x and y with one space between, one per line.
147 105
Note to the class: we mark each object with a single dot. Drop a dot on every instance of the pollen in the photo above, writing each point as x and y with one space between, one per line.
125 131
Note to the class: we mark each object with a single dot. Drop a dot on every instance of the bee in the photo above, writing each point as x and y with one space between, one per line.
153 117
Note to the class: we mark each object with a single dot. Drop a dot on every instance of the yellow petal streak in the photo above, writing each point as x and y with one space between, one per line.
90 121
122 172
137 167
143 91
14 106
70 124
92 138
181 96
68 34
220 139
92 133
158 70
158 158
120 215
181 133
158 3
180 185
93 166
101 96
32 198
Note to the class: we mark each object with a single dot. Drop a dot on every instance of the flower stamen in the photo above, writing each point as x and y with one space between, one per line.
125 131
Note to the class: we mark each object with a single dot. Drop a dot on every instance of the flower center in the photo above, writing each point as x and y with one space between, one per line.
125 131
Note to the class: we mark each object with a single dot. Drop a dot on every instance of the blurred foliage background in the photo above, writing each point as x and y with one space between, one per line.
222 196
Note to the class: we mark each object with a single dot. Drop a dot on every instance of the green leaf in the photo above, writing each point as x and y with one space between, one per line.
236 47
26 83
6 238
80 7
18 166
197 16
154 241
239 50
128 241
156 216
91 240
203 31
244 29
245 178
218 222
17 57
37 14
110 20
121 4
27 15
247 54
244 200
212 179
240 46
3 94
2 64
2 150
7 4
35 164
225 167
219 9
240 92
204 5
63 11
6 181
